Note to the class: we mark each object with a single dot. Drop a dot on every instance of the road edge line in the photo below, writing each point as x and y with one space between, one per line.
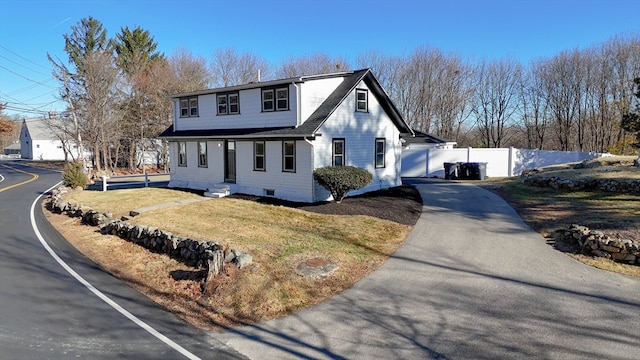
99 293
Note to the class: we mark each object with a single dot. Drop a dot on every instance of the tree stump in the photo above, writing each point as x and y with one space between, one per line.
215 267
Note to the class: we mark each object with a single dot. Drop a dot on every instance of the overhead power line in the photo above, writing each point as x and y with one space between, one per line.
19 64
25 59
26 78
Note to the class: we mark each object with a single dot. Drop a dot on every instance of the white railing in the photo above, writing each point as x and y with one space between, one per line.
133 180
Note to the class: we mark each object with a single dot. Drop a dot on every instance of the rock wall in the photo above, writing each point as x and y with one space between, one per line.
596 243
191 252
609 185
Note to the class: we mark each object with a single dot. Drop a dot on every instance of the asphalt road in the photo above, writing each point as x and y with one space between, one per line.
472 281
46 313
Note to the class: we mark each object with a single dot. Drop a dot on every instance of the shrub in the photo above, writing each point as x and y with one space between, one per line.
339 180
74 176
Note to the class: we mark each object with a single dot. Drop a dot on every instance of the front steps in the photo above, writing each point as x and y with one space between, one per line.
220 191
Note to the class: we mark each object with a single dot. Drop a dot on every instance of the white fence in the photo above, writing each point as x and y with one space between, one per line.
136 180
500 162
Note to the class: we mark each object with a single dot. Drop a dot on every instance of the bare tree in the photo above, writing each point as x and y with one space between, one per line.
228 67
562 81
189 72
431 88
99 111
533 106
318 63
495 98
624 54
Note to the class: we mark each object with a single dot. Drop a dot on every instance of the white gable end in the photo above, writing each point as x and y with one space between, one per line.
360 131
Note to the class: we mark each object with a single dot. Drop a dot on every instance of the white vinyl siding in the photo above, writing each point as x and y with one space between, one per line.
314 93
293 186
360 130
192 176
250 116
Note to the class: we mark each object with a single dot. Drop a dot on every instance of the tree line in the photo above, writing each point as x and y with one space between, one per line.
116 91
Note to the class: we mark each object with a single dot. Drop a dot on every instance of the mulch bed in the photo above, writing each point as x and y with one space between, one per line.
401 204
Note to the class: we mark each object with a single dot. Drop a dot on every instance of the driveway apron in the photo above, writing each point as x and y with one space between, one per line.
471 281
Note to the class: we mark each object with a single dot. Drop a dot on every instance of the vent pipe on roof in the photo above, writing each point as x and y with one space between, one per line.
258 75
52 114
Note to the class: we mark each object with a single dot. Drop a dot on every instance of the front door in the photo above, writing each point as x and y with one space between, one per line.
230 161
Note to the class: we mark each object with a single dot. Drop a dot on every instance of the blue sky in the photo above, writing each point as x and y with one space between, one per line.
277 29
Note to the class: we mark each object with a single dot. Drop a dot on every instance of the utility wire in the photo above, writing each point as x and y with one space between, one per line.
26 78
24 58
19 64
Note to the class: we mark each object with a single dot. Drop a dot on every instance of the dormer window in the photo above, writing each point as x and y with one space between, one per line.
228 104
276 99
362 100
189 107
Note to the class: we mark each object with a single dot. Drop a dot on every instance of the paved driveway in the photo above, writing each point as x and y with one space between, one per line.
471 281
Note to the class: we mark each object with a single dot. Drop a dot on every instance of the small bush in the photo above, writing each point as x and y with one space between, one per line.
339 180
74 176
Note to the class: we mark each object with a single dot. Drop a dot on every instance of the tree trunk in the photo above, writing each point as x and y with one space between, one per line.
215 266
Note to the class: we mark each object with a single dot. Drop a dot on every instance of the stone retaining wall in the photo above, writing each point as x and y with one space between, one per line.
596 243
195 253
609 185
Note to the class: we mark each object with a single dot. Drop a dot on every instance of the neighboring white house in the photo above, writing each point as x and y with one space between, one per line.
266 138
41 139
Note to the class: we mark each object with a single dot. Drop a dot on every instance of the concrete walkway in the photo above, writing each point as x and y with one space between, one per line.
471 281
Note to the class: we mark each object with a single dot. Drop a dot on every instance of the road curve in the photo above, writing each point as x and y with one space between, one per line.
472 281
45 313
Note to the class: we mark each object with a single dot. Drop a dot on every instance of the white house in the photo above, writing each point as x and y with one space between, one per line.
266 138
40 139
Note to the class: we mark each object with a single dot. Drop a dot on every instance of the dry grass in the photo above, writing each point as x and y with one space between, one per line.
120 202
547 210
277 237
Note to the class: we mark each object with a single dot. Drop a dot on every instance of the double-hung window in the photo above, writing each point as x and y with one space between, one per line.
289 156
202 154
228 104
338 152
182 153
362 96
258 156
275 99
381 145
189 107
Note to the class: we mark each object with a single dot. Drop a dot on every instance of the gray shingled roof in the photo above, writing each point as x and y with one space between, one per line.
311 125
421 137
40 129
